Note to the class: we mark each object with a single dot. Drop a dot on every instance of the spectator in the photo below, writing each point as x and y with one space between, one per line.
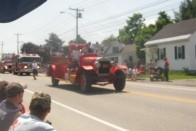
166 69
40 106
3 85
10 108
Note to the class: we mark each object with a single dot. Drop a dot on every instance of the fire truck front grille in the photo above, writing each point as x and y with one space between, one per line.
9 66
104 68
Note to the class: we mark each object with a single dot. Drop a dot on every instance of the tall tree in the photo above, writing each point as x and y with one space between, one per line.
142 37
187 10
128 33
80 40
54 43
29 47
162 20
110 39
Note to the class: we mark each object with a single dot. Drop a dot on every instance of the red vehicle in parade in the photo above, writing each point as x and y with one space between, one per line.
6 66
23 63
90 70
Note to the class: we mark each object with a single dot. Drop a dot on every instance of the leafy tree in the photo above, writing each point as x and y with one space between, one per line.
162 20
29 47
54 43
142 37
128 33
80 40
44 53
187 10
110 39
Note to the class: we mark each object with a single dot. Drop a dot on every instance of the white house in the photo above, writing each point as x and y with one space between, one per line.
120 52
177 42
111 50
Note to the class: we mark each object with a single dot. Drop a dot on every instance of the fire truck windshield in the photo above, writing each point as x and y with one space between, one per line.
30 59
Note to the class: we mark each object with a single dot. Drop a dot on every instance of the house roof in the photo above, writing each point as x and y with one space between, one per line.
128 49
184 27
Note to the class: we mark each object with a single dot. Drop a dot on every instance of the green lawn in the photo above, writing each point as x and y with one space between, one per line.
173 75
180 75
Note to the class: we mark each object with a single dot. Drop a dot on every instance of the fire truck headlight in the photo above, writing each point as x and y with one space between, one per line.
25 67
97 64
113 63
5 67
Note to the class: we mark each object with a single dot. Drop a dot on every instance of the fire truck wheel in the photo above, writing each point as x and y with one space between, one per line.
119 80
85 82
55 82
20 73
14 72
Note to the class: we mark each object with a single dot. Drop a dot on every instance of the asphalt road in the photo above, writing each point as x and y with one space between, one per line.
149 106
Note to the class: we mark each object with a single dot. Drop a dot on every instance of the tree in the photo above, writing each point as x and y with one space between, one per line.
128 33
146 32
187 10
162 20
29 47
80 40
110 39
142 37
54 43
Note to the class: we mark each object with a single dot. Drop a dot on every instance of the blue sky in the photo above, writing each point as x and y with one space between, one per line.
100 19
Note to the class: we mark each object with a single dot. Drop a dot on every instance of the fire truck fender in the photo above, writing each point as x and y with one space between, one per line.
118 67
51 70
81 70
87 67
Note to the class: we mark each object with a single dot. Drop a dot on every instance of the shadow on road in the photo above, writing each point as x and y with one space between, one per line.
95 90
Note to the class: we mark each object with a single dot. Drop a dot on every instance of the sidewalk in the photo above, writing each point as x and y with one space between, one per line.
182 82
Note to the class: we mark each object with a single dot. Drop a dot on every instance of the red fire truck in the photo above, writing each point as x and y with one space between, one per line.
23 63
91 70
6 66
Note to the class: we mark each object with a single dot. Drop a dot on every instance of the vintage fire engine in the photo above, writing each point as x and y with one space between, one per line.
23 63
90 70
6 66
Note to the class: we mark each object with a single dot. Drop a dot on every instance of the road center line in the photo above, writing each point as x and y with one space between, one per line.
184 100
85 114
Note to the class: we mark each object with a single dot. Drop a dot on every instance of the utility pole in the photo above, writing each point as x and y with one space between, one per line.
17 43
78 15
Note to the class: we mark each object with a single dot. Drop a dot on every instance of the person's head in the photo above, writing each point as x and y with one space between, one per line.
77 47
40 105
14 92
3 85
165 58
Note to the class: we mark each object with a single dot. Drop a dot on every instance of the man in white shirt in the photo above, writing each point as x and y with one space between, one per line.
40 106
34 67
76 53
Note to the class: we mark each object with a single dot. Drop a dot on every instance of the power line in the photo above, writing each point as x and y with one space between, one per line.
120 22
124 13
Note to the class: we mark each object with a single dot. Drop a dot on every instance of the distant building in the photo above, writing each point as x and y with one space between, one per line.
6 56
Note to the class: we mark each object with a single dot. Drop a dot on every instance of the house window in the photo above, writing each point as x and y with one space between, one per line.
161 53
130 58
114 59
179 52
115 50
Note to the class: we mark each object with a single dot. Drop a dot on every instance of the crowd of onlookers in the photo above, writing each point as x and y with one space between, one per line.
12 112
152 68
